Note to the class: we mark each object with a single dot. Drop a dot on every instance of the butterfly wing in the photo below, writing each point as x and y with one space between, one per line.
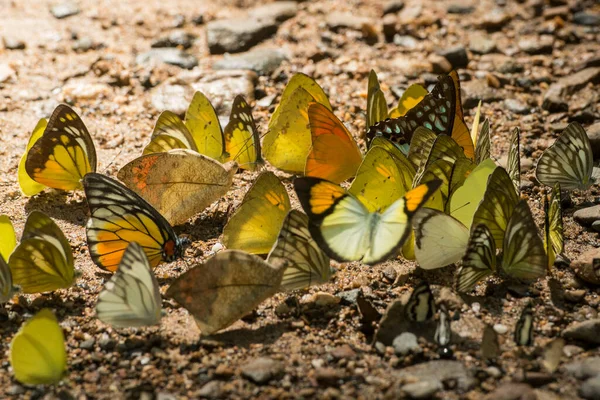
255 224
37 352
513 166
553 225
242 141
118 217
410 98
524 328
40 226
6 282
569 161
308 264
465 199
131 298
498 204
377 109
64 153
421 304
28 186
169 133
203 123
524 255
9 238
178 184
482 149
225 288
334 154
479 260
440 239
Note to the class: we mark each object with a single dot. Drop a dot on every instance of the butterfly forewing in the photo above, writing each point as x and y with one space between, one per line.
553 225
377 109
524 327
169 133
482 149
421 304
6 282
242 142
479 260
204 126
569 161
120 216
524 256
513 166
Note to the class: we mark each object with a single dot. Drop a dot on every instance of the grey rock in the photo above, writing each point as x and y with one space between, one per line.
571 350
212 390
575 296
389 24
462 9
237 35
328 376
406 343
170 97
338 20
553 100
171 56
584 266
423 390
512 391
349 296
593 61
584 369
13 44
198 19
443 370
586 18
393 6
15 390
590 389
587 216
559 11
221 87
586 331
64 9
593 132
496 19
261 61
439 64
175 39
571 83
279 11
517 106
390 273
457 56
406 41
261 370
7 73
537 45
596 226
107 344
87 344
481 44
476 90
83 44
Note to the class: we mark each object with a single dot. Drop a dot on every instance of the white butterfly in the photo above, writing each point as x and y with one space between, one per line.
131 298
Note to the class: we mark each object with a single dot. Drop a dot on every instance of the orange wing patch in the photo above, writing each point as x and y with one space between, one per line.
323 195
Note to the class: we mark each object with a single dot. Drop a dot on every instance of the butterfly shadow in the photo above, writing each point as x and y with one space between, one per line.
245 337
208 225
55 204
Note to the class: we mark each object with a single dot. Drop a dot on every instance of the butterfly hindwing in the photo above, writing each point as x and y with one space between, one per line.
553 225
118 217
242 141
524 327
169 133
479 260
421 304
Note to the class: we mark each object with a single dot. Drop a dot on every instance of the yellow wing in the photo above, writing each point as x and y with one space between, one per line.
28 186
288 139
205 128
377 109
64 153
169 133
178 184
410 98
37 352
242 141
256 223
334 155
8 239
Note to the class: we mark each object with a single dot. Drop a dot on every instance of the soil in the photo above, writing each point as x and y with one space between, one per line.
89 60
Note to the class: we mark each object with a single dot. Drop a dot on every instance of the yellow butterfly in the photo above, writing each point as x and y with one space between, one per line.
118 216
242 141
178 183
43 261
347 231
553 225
256 223
28 186
62 155
37 352
288 140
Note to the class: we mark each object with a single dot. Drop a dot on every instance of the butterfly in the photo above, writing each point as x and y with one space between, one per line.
409 99
7 289
201 131
553 225
131 298
443 332
334 154
178 183
288 140
225 288
242 141
118 217
490 346
37 352
308 265
63 154
347 231
377 109
524 328
483 145
28 186
43 261
7 245
513 165
523 257
440 111
256 223
421 304
569 161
